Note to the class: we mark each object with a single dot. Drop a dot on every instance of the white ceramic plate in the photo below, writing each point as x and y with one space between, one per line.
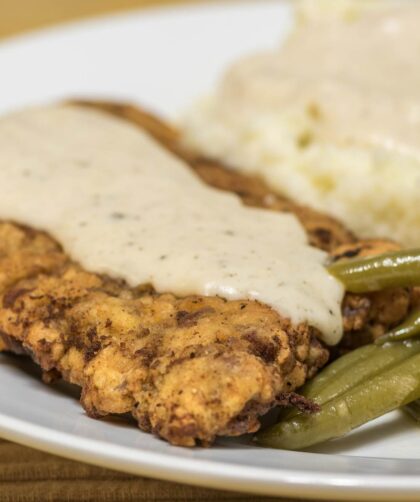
163 59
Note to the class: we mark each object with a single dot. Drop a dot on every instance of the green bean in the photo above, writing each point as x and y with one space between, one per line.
409 329
327 375
388 270
385 392
376 360
340 365
413 409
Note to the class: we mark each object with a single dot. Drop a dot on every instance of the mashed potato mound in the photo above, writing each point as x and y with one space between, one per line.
374 189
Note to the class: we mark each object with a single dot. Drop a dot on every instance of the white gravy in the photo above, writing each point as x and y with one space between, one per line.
123 206
360 79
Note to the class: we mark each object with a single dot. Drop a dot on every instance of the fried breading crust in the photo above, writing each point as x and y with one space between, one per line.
188 369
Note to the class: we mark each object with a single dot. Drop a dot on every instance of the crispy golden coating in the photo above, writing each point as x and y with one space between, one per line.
188 369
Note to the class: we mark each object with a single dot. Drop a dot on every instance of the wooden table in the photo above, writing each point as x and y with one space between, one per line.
17 16
27 475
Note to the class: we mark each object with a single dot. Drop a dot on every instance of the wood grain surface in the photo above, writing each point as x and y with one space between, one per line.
17 16
28 475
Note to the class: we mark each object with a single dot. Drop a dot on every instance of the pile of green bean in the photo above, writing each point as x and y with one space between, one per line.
369 381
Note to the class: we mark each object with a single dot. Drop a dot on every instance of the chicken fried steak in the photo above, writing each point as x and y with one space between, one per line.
188 369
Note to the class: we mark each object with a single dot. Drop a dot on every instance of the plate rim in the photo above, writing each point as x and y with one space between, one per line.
214 474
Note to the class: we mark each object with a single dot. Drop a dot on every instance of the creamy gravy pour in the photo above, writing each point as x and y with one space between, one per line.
359 79
122 205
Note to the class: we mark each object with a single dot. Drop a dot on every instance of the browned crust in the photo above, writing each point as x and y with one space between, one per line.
188 369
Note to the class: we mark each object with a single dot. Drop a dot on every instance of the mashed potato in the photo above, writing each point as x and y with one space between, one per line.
332 119
347 10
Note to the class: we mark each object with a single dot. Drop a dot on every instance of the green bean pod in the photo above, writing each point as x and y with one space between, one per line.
339 366
388 270
385 392
356 371
413 409
409 329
